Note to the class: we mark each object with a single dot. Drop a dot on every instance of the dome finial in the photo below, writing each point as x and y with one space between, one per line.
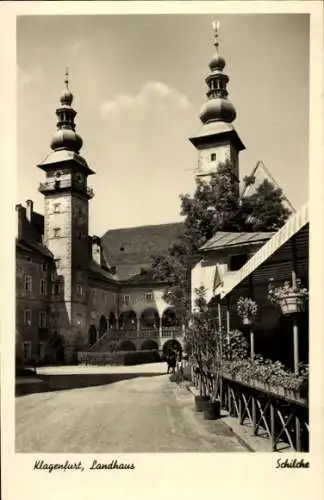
216 25
66 96
66 81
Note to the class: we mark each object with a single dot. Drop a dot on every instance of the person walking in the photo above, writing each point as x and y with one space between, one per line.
171 360
179 367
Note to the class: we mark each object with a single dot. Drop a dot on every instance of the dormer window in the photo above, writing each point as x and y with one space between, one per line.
237 261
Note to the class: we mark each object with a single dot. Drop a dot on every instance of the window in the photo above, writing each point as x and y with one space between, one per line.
44 266
28 283
125 299
149 297
41 350
57 263
43 287
56 288
57 232
27 346
42 319
237 261
213 157
79 290
57 208
27 317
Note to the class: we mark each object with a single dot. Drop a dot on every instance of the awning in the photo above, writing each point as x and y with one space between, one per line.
292 226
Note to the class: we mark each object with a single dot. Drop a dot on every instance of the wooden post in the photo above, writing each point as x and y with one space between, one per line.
296 343
252 344
252 353
228 324
298 440
272 427
240 408
295 332
219 311
295 321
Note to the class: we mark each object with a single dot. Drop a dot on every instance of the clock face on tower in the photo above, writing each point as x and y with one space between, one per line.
80 179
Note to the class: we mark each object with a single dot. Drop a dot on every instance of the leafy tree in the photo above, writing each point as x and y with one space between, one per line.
264 210
215 206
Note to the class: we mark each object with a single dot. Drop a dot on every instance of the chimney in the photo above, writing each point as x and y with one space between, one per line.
96 249
29 210
20 216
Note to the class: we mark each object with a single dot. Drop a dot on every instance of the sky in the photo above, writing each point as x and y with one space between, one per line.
139 83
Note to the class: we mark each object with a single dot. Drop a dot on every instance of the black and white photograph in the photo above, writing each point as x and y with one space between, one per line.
162 306
162 234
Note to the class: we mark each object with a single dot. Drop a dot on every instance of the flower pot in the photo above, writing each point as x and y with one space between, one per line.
247 321
200 402
291 304
212 410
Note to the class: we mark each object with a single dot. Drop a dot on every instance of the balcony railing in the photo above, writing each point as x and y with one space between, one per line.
48 186
172 331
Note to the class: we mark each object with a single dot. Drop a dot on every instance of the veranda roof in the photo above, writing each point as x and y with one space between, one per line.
292 226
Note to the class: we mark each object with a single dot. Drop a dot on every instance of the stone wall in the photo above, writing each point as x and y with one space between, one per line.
31 264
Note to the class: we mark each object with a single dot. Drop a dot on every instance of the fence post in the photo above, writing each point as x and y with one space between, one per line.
272 426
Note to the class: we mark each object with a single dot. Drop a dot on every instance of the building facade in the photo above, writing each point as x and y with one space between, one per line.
76 291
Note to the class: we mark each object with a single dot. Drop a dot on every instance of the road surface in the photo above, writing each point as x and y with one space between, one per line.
104 412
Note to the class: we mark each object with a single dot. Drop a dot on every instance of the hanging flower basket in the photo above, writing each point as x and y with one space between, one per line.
291 299
246 310
291 304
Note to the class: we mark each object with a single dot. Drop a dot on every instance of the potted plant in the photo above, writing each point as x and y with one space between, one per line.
246 310
291 298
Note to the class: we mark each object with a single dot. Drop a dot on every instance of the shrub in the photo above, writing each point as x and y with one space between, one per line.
141 357
119 358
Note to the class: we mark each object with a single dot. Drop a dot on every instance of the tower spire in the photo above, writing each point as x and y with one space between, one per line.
66 81
65 137
217 107
216 25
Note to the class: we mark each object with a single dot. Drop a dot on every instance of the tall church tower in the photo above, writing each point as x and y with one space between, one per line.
66 226
217 140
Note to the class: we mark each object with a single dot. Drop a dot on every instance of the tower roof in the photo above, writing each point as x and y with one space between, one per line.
217 113
217 107
65 137
66 143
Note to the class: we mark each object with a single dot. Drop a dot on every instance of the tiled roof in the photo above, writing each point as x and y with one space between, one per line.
131 249
261 173
33 246
98 272
223 239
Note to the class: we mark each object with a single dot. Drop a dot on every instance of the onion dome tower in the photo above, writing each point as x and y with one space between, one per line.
65 137
66 143
66 225
217 141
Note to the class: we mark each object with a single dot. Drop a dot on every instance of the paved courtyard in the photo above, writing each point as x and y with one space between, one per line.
115 409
